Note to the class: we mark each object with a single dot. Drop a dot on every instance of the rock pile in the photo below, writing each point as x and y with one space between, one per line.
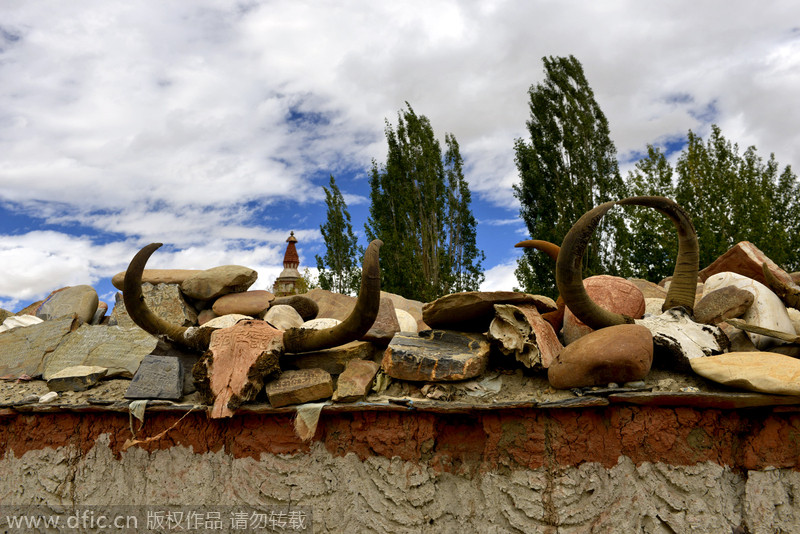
69 341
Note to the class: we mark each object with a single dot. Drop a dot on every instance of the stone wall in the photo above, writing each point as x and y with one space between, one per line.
609 469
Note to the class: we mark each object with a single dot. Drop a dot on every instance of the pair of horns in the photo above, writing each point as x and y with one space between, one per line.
295 340
569 276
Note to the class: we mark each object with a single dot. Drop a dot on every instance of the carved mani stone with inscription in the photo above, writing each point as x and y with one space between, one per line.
297 387
239 359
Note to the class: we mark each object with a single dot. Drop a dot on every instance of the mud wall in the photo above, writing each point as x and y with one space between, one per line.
611 469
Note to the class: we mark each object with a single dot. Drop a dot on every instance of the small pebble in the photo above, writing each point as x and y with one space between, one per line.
613 385
47 397
690 389
635 384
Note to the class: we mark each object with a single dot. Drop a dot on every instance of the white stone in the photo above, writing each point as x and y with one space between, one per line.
766 372
224 321
19 320
320 324
47 397
406 321
794 315
652 306
283 317
767 310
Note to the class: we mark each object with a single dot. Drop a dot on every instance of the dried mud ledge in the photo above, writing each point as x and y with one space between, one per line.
605 465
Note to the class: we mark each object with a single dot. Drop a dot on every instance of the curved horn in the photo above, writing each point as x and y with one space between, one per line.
788 294
683 288
551 249
569 273
357 323
142 315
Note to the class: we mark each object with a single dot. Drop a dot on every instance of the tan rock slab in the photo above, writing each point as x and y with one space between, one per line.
246 303
746 259
622 353
118 349
299 387
283 317
217 281
436 356
356 380
157 276
26 350
474 310
765 372
650 290
77 378
164 300
79 300
332 360
331 305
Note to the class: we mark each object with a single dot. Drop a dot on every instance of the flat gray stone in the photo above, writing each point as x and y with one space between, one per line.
80 300
165 300
158 377
78 378
25 350
121 350
218 281
436 356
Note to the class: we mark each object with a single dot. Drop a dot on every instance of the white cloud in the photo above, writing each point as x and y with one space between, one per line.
501 277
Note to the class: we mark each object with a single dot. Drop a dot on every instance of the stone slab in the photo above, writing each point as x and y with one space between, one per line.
746 259
299 387
356 380
25 350
252 303
121 350
474 310
385 326
764 372
158 377
157 276
436 356
164 300
78 378
218 281
80 300
332 360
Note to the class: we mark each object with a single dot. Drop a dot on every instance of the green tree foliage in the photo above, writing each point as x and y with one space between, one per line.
652 245
420 210
342 274
735 197
567 167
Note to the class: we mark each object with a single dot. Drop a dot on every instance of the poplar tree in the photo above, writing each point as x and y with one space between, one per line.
420 210
567 166
342 274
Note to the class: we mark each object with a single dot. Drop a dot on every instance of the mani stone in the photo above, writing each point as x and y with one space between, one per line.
723 303
164 300
436 356
25 351
767 310
80 300
612 293
622 353
746 259
332 360
245 303
158 377
356 381
520 331
77 378
765 372
677 339
217 281
118 349
283 317
299 387
474 310
156 276
649 289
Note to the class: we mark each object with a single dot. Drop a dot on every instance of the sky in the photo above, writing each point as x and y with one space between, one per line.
212 126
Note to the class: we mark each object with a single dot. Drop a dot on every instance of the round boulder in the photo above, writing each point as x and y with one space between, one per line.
613 293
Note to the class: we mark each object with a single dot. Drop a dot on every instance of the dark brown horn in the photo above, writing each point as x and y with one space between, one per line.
683 288
551 249
569 273
357 323
142 315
